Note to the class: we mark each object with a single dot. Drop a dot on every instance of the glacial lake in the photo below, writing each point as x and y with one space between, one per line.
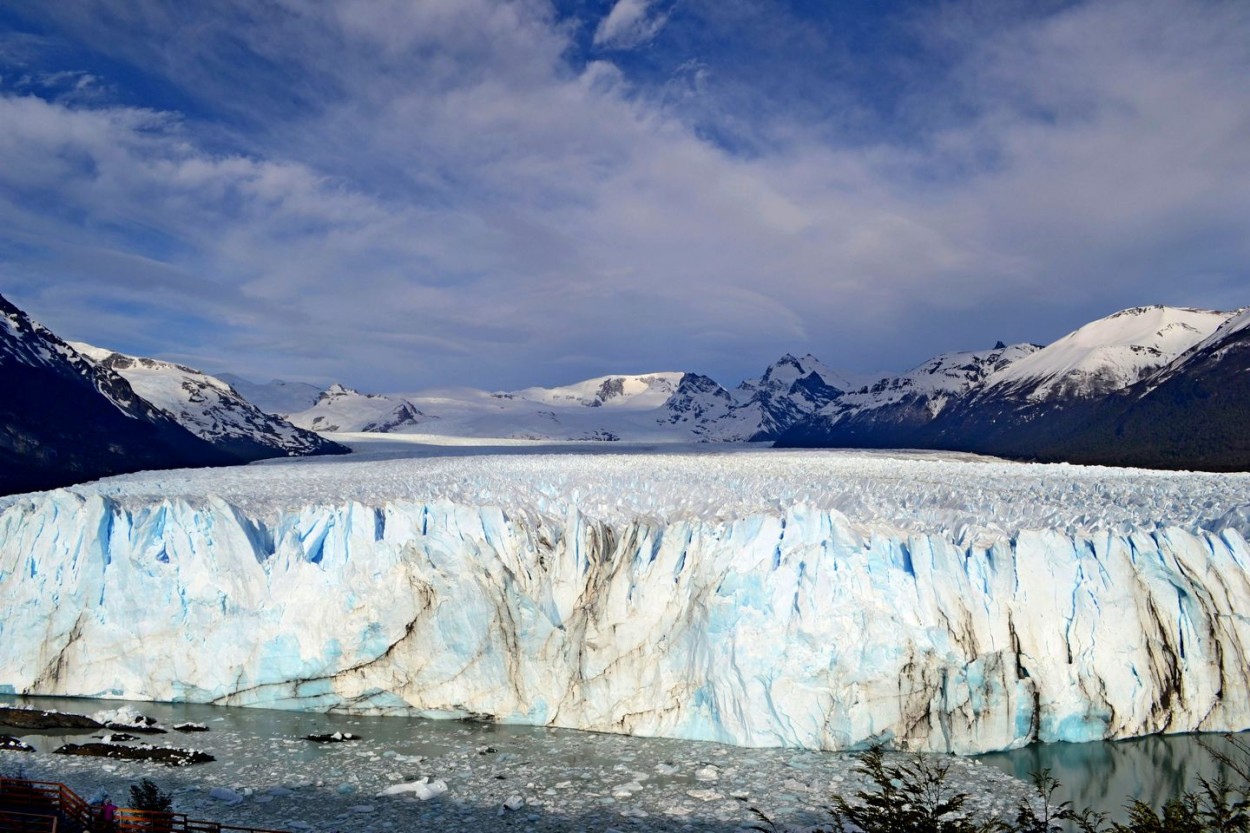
1104 776
569 780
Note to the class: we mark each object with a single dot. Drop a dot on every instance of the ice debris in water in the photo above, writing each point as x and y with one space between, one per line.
565 780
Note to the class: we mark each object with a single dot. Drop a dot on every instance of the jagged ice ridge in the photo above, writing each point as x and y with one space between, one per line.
758 598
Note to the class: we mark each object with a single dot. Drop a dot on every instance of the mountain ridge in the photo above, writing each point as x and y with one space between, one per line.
1147 392
71 414
66 420
1151 386
209 407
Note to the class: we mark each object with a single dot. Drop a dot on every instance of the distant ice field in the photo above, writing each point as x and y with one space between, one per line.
913 491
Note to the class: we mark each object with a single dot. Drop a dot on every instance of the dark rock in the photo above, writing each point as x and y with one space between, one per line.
157 754
38 719
14 744
336 737
116 737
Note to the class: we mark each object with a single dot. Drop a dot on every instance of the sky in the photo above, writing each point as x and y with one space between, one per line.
403 194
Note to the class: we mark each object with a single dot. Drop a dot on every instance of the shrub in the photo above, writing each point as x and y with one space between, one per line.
913 797
906 798
147 796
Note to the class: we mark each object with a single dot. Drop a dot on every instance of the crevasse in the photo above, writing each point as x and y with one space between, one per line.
793 628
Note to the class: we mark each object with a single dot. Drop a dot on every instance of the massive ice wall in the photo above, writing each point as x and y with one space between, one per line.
795 627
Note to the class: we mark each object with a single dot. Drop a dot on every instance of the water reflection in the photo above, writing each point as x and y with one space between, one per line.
1106 776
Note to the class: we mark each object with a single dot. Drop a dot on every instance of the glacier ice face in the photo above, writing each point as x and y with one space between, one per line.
757 598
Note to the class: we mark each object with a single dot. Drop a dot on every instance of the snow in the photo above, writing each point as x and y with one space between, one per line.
604 408
1110 353
1236 323
276 396
26 341
760 598
553 414
788 370
204 405
651 407
944 377
642 392
342 409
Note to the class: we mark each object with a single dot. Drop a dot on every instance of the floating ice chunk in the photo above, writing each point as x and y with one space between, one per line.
423 789
125 717
626 790
704 795
225 794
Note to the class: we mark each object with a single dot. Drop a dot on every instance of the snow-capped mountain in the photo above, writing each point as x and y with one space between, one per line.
275 397
341 409
1224 348
632 407
786 372
699 405
1106 355
890 411
1140 387
209 408
63 419
934 383
790 390
650 407
637 393
1023 400
1192 413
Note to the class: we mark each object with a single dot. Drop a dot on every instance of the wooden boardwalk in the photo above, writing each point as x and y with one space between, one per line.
49 807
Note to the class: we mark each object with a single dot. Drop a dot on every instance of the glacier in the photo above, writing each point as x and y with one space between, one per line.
824 600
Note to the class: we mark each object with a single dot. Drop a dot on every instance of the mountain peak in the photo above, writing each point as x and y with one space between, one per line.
1110 353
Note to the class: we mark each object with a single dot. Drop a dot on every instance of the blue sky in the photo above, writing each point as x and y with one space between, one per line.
399 195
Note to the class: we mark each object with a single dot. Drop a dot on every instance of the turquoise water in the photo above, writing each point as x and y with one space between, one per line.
1105 776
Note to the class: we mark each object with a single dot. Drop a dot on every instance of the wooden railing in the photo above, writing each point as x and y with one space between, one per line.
148 821
49 807
27 823
55 804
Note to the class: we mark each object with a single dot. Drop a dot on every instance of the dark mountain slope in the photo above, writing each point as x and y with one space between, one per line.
63 420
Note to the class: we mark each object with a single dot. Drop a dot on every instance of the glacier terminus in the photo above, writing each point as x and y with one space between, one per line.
825 600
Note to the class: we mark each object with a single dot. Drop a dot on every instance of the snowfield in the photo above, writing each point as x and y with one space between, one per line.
755 597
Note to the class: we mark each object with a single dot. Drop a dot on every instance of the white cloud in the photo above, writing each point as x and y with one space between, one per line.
630 23
456 201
